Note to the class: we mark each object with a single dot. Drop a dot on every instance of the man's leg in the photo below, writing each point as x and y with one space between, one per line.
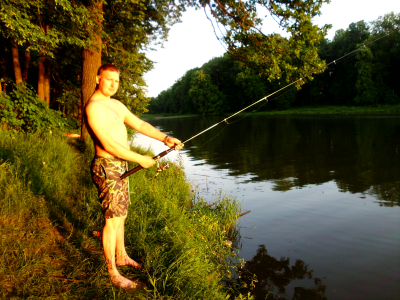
109 245
122 257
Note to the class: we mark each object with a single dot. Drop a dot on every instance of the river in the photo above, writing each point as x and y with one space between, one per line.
324 196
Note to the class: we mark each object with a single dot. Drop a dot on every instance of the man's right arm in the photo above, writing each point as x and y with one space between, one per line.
98 123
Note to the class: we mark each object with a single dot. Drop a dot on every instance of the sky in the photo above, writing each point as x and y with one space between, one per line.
192 42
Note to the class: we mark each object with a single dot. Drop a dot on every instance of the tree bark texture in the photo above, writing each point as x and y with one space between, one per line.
44 72
17 66
91 61
47 81
41 78
27 59
80 119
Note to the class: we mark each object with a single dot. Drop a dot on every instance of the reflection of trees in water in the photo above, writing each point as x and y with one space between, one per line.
388 194
360 154
274 275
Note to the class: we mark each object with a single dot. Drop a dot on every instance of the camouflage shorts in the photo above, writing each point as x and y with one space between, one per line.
113 192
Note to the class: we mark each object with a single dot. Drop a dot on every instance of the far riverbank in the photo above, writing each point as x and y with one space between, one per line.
311 110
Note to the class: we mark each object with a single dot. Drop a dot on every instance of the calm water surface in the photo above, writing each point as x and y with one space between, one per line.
324 195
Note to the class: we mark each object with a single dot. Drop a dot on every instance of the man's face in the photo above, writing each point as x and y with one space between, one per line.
108 82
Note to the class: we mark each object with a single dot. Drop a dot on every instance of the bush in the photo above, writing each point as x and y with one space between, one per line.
22 110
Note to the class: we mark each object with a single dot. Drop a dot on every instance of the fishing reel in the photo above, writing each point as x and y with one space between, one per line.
159 168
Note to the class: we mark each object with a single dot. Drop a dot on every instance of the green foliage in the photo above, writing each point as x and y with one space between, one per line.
220 86
212 89
256 87
177 98
56 30
367 90
253 85
40 250
69 101
271 55
129 28
376 77
206 96
50 210
256 65
24 21
22 110
59 29
369 77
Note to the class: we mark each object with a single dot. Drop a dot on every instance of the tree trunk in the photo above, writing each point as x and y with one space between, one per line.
41 78
80 118
43 81
47 82
17 66
27 59
91 61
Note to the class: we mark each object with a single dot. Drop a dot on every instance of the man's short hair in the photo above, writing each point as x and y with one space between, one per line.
107 67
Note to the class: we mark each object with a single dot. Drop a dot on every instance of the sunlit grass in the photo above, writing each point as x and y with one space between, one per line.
49 209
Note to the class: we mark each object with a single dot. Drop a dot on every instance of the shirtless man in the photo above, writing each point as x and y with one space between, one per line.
105 119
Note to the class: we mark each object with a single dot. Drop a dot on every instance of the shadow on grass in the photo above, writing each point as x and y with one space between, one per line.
180 242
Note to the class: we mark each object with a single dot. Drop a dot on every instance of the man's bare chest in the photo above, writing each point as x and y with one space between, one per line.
114 116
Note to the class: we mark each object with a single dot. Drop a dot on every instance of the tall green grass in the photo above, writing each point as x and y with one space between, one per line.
49 209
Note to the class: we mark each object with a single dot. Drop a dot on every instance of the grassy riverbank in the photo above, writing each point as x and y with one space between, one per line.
307 110
49 210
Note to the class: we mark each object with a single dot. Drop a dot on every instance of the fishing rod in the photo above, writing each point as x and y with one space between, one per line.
157 157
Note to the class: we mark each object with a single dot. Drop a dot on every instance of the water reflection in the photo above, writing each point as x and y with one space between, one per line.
360 154
388 194
275 275
323 190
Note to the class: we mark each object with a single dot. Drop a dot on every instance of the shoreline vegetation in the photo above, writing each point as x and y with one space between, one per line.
49 214
306 110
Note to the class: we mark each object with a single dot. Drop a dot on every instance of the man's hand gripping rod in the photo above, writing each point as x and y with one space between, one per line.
157 157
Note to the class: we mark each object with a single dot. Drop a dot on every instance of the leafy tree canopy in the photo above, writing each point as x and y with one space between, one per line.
368 77
272 55
25 22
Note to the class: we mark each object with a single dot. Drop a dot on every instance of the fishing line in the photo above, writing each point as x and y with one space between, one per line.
213 137
264 103
157 157
341 59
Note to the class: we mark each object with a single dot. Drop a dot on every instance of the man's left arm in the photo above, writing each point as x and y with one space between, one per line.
143 127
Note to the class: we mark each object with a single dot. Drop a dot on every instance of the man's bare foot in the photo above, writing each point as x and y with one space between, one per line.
125 260
122 282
